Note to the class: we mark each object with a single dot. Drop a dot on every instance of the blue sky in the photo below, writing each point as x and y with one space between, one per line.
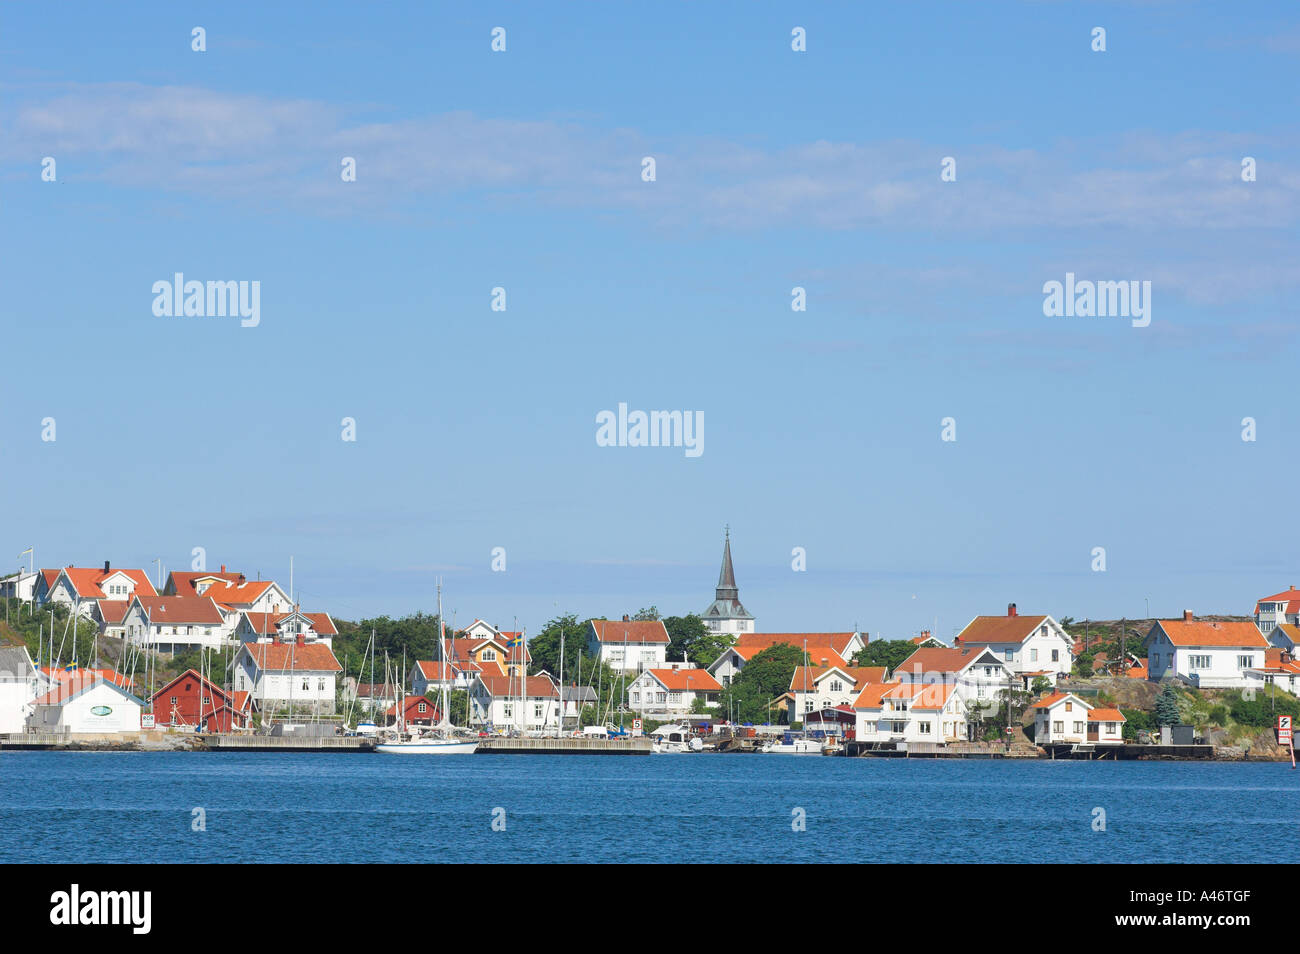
775 169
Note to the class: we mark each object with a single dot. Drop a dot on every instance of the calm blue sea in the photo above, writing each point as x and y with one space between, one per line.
138 807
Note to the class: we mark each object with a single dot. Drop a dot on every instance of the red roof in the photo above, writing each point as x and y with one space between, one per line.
504 686
747 644
113 611
805 678
936 659
163 610
1291 596
86 581
66 689
63 675
632 630
1048 701
1106 715
1182 632
269 623
928 695
183 580
283 657
984 630
411 710
238 594
686 680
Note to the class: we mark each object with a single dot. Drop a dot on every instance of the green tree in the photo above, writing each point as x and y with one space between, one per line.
1041 685
765 677
652 613
890 653
688 636
1167 707
545 646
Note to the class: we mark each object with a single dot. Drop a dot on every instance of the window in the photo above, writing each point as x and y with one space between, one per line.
1110 728
1056 655
1198 662
489 655
1058 727
808 705
925 728
306 685
1033 655
508 710
173 700
1243 662
422 708
320 685
837 686
1078 727
537 712
1069 707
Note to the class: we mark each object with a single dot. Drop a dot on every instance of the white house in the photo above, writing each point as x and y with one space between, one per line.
631 645
1280 669
20 585
244 595
1286 637
253 627
501 703
814 688
978 672
1030 646
903 713
172 624
1273 611
1205 654
83 587
86 704
823 649
672 690
18 688
1064 718
295 675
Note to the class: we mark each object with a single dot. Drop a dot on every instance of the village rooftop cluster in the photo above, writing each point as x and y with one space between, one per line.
282 661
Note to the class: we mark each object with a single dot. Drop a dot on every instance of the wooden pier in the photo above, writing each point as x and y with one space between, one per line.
568 746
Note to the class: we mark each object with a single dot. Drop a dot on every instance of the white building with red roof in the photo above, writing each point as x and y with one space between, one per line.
505 703
1030 646
1205 653
672 690
816 688
630 645
295 675
83 587
268 627
19 685
1280 669
86 703
899 714
1064 718
978 673
172 624
1272 611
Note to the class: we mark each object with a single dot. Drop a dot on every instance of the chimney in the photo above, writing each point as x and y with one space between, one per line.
1187 616
300 639
925 634
105 566
825 662
242 579
223 568
1011 609
625 618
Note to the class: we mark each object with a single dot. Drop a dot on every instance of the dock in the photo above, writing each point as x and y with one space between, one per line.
287 743
565 746
1129 752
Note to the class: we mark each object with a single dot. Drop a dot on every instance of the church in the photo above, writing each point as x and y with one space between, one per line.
726 614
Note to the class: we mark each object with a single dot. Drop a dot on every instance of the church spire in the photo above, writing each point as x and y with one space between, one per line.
727 578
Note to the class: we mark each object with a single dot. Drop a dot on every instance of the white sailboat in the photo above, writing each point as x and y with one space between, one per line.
440 740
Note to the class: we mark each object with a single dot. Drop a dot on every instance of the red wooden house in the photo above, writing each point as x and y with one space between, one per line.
190 701
418 711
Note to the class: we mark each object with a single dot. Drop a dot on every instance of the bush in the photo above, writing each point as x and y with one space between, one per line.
1262 711
1218 716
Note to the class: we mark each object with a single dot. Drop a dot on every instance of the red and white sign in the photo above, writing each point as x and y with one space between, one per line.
1284 730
